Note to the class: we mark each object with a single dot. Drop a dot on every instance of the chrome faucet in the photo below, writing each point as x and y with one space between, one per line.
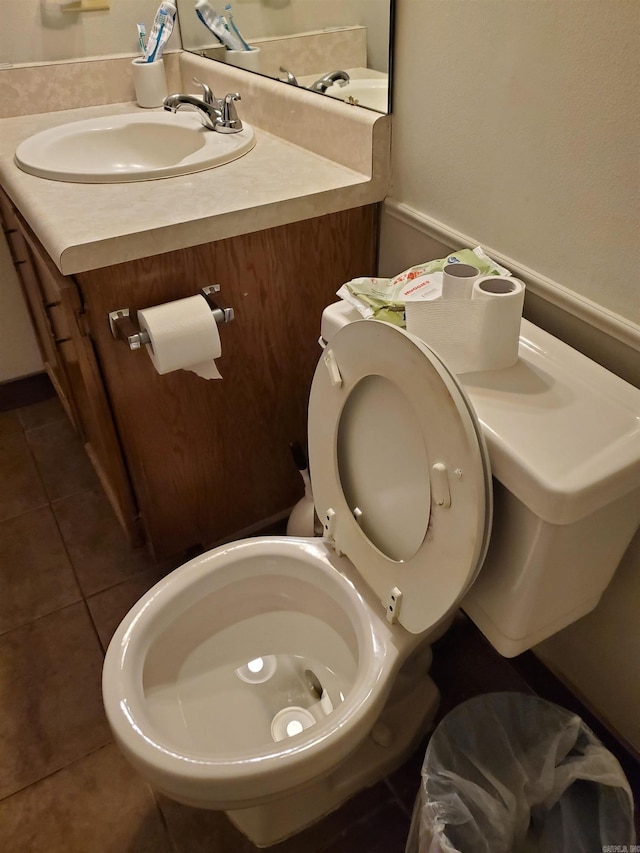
291 78
321 85
217 114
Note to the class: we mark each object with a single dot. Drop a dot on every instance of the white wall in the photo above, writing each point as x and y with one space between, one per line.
35 31
516 126
19 354
516 122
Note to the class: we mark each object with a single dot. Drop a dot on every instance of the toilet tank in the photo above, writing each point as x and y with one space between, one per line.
563 436
564 441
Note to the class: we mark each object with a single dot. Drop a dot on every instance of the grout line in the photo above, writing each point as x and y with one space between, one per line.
163 821
42 616
26 511
397 798
76 576
57 770
27 429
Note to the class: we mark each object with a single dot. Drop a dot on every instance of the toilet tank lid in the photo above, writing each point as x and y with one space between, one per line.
563 432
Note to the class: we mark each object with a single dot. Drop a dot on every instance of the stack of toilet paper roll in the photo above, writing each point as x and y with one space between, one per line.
183 336
475 324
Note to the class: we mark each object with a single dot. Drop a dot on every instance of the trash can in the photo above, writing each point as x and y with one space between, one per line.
513 773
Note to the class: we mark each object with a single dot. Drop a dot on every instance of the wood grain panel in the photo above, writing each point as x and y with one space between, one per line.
209 458
36 303
85 389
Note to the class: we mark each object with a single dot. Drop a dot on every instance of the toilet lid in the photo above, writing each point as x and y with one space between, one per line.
400 472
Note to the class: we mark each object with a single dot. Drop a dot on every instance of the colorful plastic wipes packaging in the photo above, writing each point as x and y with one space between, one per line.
385 298
465 307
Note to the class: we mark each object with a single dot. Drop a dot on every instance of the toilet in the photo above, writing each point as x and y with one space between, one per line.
274 677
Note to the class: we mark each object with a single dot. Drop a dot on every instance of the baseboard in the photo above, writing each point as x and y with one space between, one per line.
25 391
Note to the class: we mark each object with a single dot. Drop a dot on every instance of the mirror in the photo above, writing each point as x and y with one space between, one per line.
301 41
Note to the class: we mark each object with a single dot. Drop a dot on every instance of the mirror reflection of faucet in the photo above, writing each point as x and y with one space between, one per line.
322 84
217 114
327 80
291 78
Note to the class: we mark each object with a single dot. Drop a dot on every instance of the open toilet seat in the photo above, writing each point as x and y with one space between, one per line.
400 472
402 483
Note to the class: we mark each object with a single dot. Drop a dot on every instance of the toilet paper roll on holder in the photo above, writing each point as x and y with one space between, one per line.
123 327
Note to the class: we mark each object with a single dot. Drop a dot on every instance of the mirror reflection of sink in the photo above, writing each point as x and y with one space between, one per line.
372 93
130 147
366 88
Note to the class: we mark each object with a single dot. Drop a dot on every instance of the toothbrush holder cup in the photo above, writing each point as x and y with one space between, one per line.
247 59
149 82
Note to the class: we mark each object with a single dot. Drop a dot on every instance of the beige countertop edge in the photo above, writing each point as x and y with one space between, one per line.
57 211
88 256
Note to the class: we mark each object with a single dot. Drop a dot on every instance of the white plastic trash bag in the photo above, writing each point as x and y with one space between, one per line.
512 773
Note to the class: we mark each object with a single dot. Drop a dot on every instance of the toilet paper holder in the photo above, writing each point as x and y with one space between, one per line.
123 328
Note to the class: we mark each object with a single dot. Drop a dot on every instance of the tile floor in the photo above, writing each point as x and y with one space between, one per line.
67 577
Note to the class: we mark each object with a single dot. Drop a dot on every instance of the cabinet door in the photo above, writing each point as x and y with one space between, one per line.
78 374
210 458
49 334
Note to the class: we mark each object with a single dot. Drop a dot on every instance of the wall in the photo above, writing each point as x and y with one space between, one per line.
515 126
516 123
37 31
19 354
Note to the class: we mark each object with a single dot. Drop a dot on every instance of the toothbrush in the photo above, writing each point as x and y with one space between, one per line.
217 25
161 30
142 31
227 8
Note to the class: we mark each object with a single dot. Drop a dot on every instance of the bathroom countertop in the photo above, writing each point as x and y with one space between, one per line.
87 226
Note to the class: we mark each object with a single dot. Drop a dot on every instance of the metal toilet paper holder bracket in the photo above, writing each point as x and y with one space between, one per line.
123 328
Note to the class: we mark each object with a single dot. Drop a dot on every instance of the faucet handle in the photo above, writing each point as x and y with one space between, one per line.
207 95
291 78
230 119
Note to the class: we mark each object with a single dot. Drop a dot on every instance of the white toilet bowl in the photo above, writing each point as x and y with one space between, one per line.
274 677
204 677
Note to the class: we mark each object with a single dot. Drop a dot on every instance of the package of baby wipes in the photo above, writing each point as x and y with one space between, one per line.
385 298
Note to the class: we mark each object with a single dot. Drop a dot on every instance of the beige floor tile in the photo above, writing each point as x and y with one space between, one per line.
21 488
200 831
40 414
50 697
109 608
36 577
96 805
9 423
99 550
61 459
385 831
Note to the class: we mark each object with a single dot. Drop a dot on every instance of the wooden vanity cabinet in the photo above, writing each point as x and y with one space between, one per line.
57 313
203 460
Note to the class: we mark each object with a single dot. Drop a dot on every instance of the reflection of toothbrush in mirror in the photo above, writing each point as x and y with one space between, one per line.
217 25
142 31
227 9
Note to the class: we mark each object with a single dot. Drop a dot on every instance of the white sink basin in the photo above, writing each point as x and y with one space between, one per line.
131 147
